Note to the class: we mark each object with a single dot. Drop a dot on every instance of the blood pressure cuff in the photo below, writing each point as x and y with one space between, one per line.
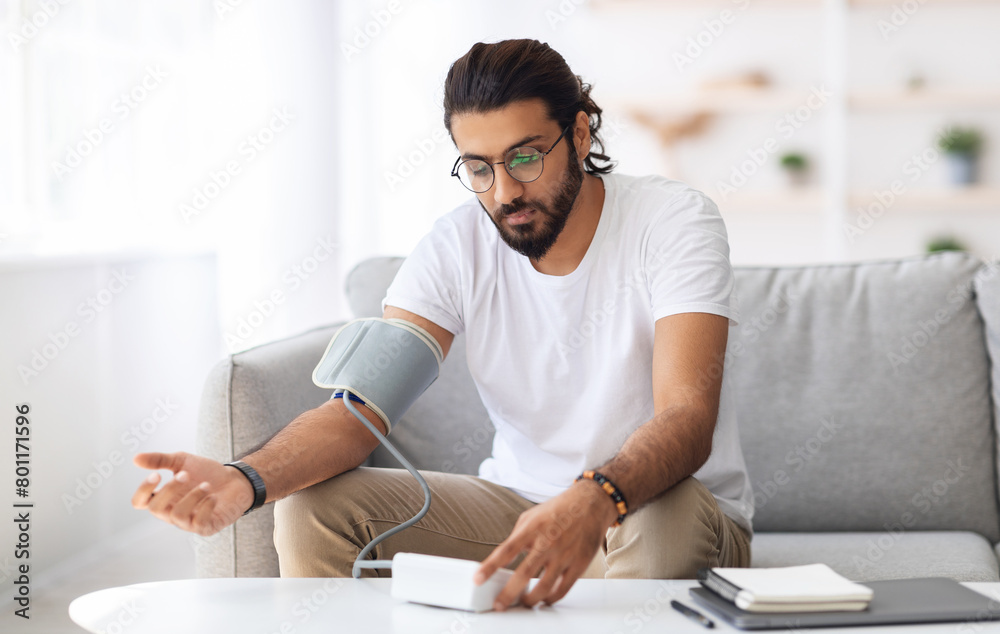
387 363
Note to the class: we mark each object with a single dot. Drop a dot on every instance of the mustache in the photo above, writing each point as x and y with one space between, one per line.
515 207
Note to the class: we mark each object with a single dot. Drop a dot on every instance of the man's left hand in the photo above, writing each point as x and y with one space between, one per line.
560 538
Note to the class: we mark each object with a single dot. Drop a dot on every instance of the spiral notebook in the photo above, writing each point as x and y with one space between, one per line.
810 588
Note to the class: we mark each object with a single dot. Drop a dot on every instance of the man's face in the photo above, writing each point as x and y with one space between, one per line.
529 216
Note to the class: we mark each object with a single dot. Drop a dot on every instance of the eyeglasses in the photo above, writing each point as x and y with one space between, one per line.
524 164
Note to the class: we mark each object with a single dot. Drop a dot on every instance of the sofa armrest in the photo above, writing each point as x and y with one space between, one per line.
247 399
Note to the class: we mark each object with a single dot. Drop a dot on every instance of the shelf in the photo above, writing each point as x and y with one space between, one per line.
803 201
699 4
811 200
828 202
715 101
968 199
924 99
889 3
765 100
680 4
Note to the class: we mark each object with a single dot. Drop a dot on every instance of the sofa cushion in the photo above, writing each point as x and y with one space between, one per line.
864 398
962 556
247 399
987 287
367 282
461 435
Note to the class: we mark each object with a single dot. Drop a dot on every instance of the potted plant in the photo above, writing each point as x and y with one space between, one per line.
961 146
796 167
945 243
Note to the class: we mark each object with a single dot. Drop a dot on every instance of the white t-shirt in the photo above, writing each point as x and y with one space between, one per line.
563 364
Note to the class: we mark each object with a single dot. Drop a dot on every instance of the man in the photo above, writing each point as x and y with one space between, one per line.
596 310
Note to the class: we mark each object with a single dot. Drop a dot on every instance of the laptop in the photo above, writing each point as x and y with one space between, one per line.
901 601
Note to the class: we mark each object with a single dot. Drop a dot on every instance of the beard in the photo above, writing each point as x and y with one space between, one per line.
535 238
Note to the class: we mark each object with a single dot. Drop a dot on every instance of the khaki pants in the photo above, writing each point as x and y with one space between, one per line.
319 531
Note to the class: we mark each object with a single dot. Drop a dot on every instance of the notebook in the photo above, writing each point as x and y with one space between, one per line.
814 587
929 600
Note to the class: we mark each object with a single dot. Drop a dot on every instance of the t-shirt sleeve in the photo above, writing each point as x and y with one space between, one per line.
687 260
429 281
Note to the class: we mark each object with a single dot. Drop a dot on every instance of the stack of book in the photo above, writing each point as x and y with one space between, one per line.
812 588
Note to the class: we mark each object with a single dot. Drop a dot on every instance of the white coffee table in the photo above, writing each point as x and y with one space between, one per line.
303 606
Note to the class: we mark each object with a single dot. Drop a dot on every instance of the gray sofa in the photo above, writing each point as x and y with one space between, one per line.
867 398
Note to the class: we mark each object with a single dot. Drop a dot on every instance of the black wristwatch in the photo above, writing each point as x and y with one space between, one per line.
259 490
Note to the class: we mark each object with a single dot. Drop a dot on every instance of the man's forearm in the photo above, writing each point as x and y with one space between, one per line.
665 450
318 445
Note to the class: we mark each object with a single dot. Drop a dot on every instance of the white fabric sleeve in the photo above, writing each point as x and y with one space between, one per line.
686 259
429 281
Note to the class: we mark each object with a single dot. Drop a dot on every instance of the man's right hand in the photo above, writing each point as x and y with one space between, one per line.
203 497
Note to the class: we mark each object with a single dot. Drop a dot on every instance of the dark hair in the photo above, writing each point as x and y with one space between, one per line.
491 76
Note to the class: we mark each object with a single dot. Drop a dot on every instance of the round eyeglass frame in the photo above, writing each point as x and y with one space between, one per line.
508 157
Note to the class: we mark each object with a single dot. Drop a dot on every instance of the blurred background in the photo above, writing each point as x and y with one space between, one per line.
184 179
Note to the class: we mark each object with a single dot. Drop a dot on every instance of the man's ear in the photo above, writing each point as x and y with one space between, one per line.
581 135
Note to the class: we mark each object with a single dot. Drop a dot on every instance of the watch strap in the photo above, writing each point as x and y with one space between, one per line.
257 482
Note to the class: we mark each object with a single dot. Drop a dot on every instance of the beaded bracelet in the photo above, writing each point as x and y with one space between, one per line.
611 490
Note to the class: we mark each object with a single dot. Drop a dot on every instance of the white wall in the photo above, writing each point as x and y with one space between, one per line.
110 354
278 226
264 231
626 49
204 160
